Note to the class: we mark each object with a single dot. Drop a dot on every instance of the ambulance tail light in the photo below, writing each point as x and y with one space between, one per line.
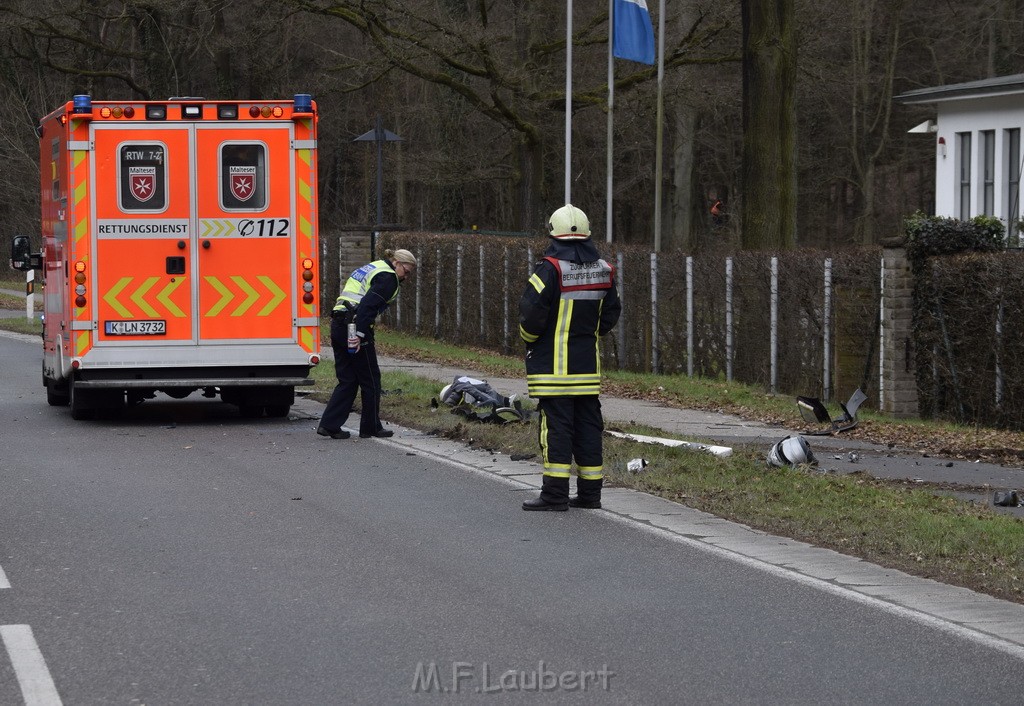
117 112
266 111
80 289
307 281
314 359
227 111
156 112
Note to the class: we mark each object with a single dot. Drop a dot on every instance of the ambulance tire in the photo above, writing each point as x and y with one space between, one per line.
81 408
250 411
57 396
278 410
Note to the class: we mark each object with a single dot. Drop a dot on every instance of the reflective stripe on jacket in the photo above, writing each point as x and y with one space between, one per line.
565 307
358 284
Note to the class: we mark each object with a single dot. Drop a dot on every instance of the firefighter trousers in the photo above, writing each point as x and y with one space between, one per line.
570 429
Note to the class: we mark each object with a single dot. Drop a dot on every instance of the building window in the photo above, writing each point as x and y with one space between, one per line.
963 163
988 172
1013 186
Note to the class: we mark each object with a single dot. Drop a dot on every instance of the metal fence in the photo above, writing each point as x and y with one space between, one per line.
803 322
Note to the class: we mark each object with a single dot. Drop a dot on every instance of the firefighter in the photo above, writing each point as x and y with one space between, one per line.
569 301
365 295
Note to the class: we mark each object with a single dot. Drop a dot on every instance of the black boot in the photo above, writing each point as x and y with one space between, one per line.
554 495
588 494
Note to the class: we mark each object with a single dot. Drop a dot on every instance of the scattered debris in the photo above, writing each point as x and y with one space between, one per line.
791 451
812 410
1006 498
852 457
522 457
636 465
722 451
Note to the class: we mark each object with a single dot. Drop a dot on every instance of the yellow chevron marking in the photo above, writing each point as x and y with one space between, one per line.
81 228
214 228
251 295
226 295
278 293
306 338
111 297
139 297
78 156
164 297
304 191
80 193
81 342
305 227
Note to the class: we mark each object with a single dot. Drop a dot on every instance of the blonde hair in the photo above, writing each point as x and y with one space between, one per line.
401 256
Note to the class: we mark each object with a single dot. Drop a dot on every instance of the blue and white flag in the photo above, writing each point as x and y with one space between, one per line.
634 36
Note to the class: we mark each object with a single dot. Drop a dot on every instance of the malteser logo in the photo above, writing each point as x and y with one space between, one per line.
243 182
142 181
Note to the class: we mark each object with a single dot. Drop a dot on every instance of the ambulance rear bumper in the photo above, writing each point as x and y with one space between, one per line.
161 383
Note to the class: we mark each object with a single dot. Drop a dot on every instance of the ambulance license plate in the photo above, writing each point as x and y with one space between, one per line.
135 328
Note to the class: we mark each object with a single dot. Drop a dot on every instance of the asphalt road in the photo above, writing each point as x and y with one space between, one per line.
183 555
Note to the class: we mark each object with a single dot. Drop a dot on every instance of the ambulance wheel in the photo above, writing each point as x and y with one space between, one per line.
250 411
57 396
278 410
81 408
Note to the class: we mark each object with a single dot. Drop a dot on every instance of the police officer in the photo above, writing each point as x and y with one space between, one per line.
569 301
365 295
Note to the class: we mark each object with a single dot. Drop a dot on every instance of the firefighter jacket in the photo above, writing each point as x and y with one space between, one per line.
367 292
569 301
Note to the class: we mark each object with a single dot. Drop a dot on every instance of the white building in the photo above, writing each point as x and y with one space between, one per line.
977 147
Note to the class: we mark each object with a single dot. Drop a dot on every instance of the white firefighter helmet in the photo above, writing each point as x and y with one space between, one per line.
569 223
791 451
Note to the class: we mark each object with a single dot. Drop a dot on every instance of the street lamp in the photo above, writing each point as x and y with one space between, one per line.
379 135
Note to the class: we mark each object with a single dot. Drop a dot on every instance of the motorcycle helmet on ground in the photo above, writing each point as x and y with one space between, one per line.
791 451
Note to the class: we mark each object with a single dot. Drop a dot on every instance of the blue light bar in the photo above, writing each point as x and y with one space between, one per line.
82 104
303 103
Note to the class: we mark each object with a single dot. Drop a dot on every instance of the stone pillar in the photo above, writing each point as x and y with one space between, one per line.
898 383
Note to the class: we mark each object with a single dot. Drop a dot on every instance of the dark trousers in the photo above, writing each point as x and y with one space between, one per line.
570 429
359 372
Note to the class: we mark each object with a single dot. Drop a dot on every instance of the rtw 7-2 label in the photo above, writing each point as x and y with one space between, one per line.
154 327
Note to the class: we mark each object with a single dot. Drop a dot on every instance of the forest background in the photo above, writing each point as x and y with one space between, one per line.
781 110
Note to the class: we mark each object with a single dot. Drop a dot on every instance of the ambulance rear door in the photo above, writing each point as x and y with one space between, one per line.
245 205
144 235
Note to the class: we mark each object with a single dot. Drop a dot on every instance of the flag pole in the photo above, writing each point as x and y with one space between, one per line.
568 101
611 119
660 123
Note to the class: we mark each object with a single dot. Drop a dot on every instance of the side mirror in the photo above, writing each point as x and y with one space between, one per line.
22 257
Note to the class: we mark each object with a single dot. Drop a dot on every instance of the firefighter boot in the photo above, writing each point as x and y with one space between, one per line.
554 495
588 494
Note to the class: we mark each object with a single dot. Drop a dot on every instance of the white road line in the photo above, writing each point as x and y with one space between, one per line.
4 583
37 687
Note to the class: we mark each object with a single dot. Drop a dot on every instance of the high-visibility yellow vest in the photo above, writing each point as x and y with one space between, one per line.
358 284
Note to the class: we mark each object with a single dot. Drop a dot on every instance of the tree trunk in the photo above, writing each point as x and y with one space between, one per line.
769 125
680 231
